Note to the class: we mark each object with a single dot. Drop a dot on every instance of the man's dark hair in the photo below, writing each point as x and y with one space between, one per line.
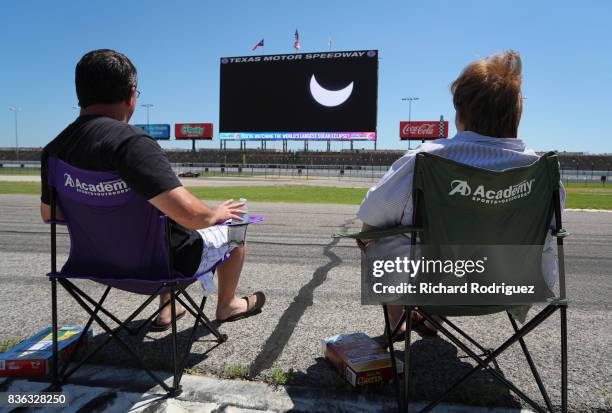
104 76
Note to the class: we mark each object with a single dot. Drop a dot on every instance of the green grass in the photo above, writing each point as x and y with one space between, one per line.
31 188
278 377
606 395
9 343
19 171
593 196
284 193
236 371
579 195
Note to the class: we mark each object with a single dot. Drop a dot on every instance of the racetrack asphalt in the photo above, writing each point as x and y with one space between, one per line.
312 285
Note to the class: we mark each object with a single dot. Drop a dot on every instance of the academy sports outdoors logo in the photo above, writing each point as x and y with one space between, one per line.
115 187
490 196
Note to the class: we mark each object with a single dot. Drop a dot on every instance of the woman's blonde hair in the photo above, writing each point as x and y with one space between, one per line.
487 95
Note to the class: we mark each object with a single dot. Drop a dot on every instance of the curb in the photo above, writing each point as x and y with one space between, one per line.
118 389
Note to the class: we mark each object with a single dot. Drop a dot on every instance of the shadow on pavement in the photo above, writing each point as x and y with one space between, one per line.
279 338
435 366
154 349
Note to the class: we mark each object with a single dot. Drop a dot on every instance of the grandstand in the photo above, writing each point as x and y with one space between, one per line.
569 160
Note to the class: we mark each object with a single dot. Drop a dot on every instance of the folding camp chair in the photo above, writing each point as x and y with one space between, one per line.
448 211
117 238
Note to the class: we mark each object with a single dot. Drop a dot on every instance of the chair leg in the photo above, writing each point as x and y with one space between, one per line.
152 316
220 337
114 334
563 310
408 313
466 336
84 332
201 309
55 358
398 326
193 332
70 288
483 363
532 365
94 303
193 312
175 382
400 400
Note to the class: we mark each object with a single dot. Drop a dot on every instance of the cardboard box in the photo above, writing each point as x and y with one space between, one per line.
33 356
360 359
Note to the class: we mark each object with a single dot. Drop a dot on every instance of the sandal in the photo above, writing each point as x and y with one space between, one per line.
255 302
422 329
156 327
418 326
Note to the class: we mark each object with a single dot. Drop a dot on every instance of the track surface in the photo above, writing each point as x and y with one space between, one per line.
312 285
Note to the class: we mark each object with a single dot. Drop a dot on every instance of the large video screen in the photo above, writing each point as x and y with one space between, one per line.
302 96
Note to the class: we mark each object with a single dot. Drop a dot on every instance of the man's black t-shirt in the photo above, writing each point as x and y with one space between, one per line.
100 143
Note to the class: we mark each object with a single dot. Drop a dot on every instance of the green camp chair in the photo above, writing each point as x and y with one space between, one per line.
448 211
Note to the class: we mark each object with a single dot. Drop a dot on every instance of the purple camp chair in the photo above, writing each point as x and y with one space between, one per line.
117 238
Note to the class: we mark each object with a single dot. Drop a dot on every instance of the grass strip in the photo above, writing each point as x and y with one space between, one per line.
590 196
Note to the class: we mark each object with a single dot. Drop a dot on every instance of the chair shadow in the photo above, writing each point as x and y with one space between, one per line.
435 367
155 348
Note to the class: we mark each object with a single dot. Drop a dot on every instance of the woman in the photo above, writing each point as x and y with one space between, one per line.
488 104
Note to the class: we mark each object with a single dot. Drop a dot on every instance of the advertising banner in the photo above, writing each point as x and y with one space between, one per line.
423 130
193 131
156 131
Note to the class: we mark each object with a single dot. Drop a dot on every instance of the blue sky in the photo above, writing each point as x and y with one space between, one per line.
566 48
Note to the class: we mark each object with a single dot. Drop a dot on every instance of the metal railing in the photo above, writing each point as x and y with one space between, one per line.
270 171
358 172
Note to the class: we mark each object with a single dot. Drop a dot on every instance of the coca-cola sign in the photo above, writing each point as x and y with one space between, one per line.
422 130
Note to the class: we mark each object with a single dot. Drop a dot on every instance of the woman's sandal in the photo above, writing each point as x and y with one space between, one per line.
418 326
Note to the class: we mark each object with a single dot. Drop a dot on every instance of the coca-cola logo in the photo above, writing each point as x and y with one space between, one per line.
416 130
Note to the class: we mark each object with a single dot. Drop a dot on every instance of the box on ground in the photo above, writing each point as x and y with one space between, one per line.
360 359
33 356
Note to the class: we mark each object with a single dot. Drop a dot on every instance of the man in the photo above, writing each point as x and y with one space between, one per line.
101 139
488 103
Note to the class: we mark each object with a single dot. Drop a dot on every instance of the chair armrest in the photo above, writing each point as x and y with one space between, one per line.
57 222
379 233
561 233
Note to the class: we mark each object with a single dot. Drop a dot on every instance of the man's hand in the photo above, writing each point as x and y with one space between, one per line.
187 210
229 209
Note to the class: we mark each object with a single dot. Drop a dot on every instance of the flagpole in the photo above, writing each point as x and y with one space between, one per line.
329 45
263 52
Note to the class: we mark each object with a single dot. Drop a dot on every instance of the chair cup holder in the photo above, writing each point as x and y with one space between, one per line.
237 234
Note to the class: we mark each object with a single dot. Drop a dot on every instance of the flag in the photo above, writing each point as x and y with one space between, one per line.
329 41
260 44
296 40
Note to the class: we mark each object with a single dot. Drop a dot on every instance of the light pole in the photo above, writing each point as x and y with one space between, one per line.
16 109
148 106
409 99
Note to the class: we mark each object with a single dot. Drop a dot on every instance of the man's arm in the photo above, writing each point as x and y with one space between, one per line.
45 213
187 210
181 206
